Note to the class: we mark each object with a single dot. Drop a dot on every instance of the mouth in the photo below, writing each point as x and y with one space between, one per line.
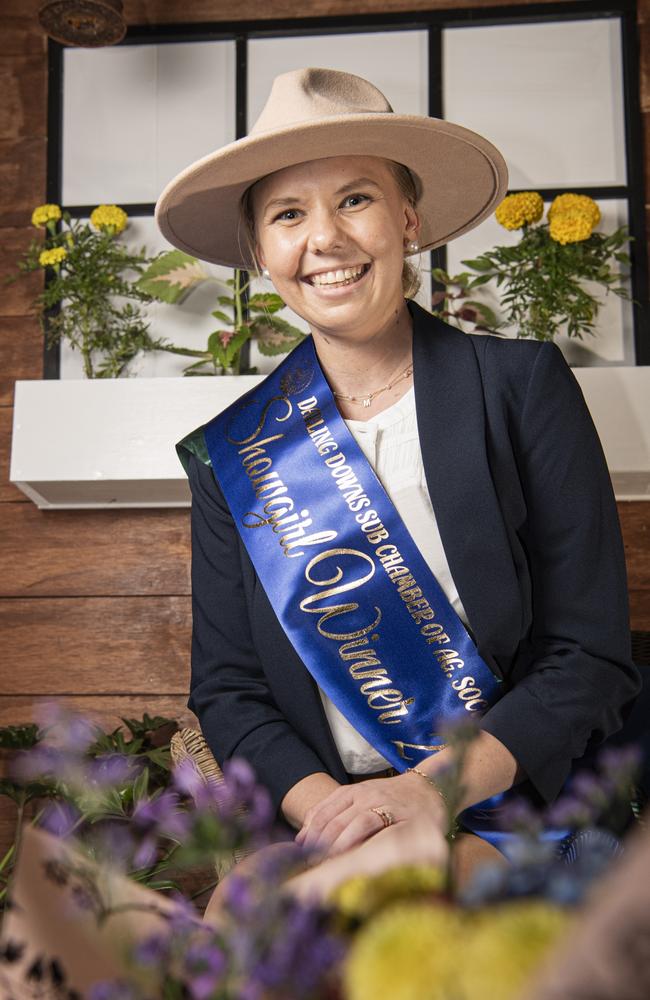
338 278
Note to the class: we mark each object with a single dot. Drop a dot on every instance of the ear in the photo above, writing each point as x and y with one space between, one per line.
260 256
412 222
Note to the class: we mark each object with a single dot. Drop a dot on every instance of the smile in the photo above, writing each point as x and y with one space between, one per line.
340 278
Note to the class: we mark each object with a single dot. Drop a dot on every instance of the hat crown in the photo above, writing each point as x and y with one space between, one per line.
313 93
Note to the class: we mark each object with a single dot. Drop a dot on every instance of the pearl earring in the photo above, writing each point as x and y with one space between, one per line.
265 272
413 246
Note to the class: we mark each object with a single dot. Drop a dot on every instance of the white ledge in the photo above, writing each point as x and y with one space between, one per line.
110 442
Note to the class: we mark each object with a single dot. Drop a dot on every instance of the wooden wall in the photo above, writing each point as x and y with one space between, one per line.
95 605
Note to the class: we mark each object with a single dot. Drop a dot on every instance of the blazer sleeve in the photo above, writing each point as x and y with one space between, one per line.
580 678
229 693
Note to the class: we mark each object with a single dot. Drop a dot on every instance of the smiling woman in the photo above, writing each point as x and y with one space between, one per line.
462 472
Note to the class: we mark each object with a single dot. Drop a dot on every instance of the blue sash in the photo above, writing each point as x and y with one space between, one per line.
342 573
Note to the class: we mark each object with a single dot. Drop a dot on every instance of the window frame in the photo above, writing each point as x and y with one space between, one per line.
434 22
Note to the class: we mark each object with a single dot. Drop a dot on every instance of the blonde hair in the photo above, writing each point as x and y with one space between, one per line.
403 178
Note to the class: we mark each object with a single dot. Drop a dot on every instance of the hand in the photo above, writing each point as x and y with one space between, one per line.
413 840
345 817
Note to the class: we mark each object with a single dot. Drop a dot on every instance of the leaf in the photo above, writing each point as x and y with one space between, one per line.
275 335
171 276
479 264
265 302
218 314
216 347
141 785
225 300
236 343
481 279
485 313
440 276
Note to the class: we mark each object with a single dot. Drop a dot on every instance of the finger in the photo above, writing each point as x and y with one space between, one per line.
361 828
327 810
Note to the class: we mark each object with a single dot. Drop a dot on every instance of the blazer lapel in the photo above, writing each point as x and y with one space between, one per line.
453 437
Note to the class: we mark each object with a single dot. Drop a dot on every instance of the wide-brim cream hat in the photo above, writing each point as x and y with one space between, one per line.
311 113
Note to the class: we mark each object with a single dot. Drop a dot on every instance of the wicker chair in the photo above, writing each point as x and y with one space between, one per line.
190 744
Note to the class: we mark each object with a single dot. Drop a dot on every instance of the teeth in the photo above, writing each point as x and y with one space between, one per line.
337 277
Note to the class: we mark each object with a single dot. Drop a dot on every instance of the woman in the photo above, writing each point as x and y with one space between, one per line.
495 480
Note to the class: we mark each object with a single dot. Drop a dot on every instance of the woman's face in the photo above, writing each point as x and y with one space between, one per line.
324 216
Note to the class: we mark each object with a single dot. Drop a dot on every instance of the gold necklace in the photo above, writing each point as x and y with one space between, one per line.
367 400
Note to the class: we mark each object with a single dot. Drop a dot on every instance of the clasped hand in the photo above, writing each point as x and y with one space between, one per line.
346 818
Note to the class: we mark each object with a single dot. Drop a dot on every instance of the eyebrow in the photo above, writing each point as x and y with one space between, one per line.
342 190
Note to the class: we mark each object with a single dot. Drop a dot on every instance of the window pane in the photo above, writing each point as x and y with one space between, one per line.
135 115
550 97
613 342
394 61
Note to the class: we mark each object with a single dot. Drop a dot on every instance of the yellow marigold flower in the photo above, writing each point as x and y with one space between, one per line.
362 895
570 226
506 946
52 258
571 202
44 214
109 218
517 210
410 951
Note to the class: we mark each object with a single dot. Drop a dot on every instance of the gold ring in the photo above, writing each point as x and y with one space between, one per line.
386 817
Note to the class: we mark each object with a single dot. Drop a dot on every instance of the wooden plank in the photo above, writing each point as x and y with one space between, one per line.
634 516
92 552
22 179
7 490
106 711
17 298
21 353
644 66
639 610
22 36
23 85
137 552
96 645
174 11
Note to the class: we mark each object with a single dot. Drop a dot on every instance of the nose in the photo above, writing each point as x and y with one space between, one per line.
324 230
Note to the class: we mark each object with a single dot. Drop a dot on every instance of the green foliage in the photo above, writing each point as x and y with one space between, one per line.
171 276
174 274
540 284
147 743
91 298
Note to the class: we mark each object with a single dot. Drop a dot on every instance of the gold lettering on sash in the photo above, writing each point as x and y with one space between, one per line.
265 410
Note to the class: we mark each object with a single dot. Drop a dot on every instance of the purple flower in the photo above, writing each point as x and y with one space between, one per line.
187 779
146 853
71 731
205 965
567 812
153 951
520 816
111 769
184 917
620 765
59 818
162 813
239 897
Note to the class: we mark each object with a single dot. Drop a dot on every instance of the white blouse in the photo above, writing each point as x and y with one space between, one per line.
390 443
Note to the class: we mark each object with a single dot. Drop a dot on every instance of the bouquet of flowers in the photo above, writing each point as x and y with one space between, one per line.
89 915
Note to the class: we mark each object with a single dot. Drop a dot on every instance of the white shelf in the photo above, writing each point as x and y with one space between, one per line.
110 443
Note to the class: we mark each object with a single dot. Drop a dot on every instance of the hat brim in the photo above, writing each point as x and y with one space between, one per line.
460 178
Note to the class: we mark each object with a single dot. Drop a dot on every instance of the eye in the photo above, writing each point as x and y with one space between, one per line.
364 197
280 215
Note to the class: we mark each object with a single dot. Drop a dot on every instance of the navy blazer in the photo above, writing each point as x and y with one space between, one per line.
528 520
